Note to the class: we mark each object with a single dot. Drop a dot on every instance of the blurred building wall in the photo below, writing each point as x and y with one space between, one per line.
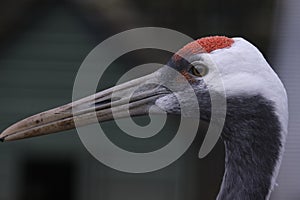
38 66
286 59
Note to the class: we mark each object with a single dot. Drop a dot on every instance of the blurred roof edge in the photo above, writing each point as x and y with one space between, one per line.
94 12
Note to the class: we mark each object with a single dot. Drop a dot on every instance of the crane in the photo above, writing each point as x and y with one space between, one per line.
256 122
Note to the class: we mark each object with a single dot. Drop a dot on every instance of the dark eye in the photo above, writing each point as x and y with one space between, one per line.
199 70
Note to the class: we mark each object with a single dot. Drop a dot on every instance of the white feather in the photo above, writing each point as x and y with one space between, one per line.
244 70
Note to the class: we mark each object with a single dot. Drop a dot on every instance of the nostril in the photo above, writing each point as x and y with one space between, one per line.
107 101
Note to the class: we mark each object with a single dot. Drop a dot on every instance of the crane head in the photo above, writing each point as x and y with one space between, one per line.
239 65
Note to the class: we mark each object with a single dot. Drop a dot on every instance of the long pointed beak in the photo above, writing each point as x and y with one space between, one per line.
132 98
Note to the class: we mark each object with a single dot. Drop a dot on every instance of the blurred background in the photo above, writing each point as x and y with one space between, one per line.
42 44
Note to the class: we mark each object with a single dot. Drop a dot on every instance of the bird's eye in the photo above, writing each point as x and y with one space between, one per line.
199 70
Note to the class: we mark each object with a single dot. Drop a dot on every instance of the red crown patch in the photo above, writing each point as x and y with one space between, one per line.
206 44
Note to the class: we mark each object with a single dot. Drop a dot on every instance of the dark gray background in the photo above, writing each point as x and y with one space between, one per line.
42 44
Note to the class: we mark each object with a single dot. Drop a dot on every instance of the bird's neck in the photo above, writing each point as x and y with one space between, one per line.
253 144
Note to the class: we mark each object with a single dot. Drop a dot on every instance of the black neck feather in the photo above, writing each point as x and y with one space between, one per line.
252 143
